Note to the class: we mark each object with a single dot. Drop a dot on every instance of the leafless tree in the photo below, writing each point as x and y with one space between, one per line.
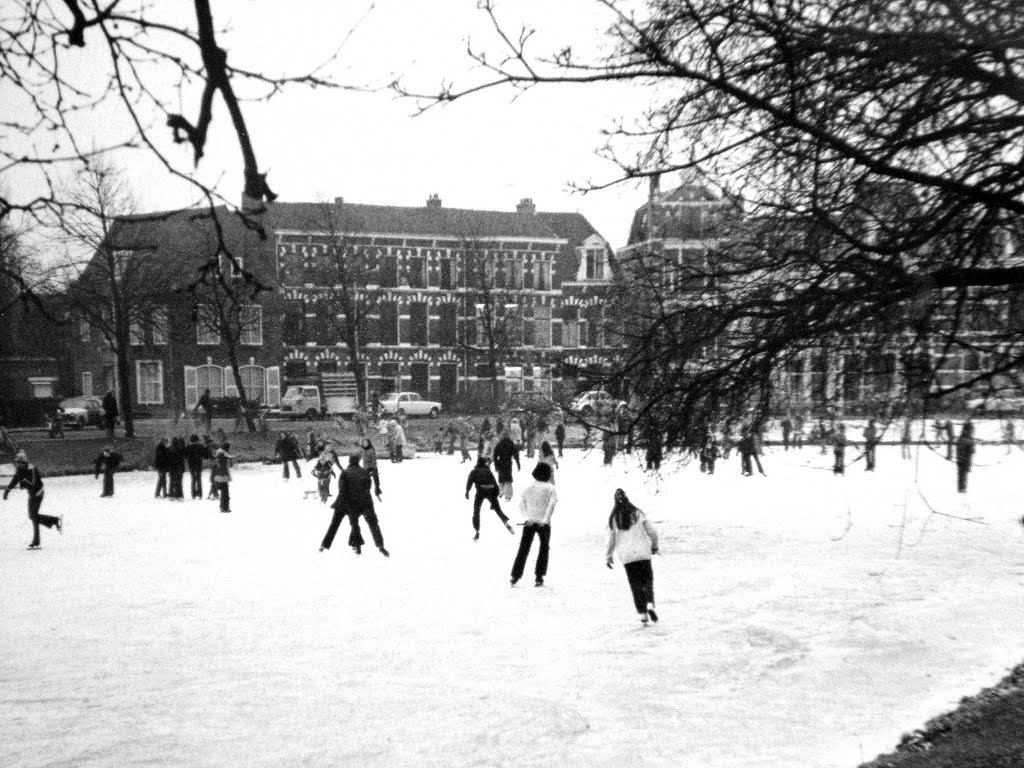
874 149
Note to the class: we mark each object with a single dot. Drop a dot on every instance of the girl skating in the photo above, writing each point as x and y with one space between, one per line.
537 504
486 490
27 476
633 539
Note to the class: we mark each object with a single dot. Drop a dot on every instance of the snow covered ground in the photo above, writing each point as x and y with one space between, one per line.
807 620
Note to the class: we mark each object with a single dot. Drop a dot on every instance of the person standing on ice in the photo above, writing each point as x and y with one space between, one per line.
560 436
633 539
905 440
839 450
160 465
107 463
537 504
195 452
369 455
323 471
505 452
964 455
176 469
110 412
287 451
353 500
27 476
486 490
547 456
222 475
870 444
515 431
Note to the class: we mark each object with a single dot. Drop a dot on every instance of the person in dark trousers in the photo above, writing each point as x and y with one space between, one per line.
839 450
354 500
370 465
107 463
27 476
486 490
787 427
287 451
110 412
323 471
746 448
160 464
964 455
950 438
870 444
634 540
537 503
708 454
222 459
176 469
211 451
652 443
609 446
204 405
505 452
560 437
195 452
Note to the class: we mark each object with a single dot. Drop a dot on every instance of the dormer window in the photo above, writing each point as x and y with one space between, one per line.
595 258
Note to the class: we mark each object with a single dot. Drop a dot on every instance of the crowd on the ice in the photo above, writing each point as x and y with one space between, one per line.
495 448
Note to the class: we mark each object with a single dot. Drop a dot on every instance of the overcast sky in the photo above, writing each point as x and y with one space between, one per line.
487 151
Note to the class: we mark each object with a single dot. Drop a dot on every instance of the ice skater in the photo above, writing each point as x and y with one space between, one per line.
287 451
905 440
560 437
195 452
964 455
323 471
547 456
839 450
354 500
160 465
27 476
176 469
870 444
537 504
370 465
222 459
505 452
633 539
107 463
486 490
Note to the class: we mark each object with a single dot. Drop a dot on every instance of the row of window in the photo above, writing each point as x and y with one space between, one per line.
156 323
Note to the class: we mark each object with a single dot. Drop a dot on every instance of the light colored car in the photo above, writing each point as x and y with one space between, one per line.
81 412
996 404
596 401
410 402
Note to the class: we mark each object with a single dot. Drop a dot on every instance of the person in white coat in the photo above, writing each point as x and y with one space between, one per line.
537 503
633 539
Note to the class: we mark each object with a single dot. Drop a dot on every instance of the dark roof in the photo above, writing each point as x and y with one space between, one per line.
688 212
392 219
574 227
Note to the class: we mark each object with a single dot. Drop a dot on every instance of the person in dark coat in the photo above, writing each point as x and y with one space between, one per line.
951 438
839 450
560 437
211 451
746 447
505 452
964 455
870 445
176 468
110 412
353 500
609 445
486 490
195 452
287 450
708 454
107 463
27 476
205 407
160 464
787 428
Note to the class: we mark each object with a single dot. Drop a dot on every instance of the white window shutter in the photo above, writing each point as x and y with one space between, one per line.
191 387
230 390
140 395
273 379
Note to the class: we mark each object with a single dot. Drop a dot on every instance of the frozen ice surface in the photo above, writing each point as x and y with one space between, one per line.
806 620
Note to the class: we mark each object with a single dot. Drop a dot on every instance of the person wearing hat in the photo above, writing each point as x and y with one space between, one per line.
354 499
27 476
107 462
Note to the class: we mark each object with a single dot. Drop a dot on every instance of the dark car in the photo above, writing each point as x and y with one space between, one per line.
81 412
227 407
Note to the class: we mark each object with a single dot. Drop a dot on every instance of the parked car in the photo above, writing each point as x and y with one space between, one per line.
596 401
410 402
996 404
82 412
335 395
536 403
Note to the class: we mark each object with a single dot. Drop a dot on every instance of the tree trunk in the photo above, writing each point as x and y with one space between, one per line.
250 423
124 387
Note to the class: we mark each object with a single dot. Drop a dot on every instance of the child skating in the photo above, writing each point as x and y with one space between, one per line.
633 540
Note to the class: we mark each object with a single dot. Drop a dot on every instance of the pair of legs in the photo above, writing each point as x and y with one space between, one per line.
35 503
294 463
176 491
542 532
492 497
161 483
839 465
962 471
108 484
355 538
197 482
869 458
225 496
640 575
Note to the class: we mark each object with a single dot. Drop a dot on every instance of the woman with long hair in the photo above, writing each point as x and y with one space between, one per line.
547 456
634 540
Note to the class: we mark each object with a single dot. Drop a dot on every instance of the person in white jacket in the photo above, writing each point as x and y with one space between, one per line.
634 540
537 503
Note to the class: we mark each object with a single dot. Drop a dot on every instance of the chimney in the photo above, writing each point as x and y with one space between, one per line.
339 201
434 201
655 186
526 206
